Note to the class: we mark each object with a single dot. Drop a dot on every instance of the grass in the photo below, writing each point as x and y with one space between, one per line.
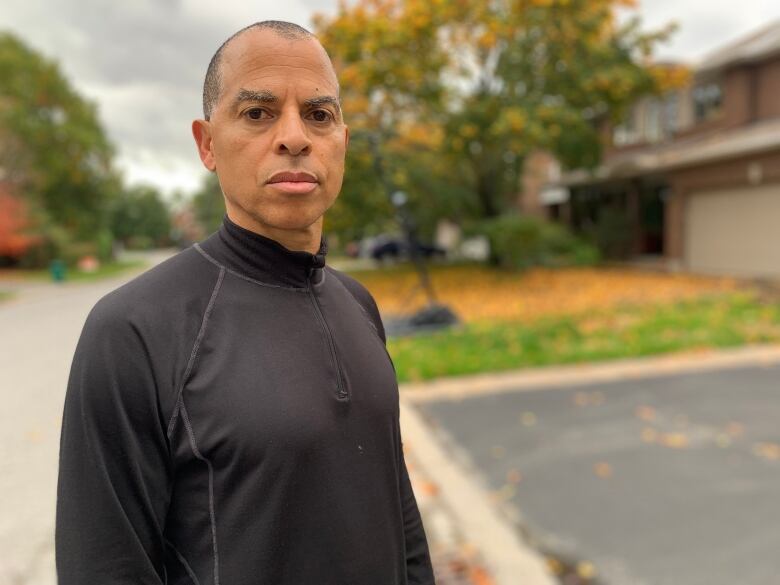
106 270
5 295
543 317
627 331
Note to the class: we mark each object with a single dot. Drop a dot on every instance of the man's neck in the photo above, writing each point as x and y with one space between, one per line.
304 240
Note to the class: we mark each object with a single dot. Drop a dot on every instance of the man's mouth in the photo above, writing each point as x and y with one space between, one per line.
293 182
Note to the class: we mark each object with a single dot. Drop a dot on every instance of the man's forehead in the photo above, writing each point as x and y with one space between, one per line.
257 49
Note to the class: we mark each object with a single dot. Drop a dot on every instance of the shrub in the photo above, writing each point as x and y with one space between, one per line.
522 242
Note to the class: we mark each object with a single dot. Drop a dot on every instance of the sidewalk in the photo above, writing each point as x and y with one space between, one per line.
470 542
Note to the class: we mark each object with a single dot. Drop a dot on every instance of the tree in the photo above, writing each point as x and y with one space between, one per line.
461 90
140 218
209 204
52 146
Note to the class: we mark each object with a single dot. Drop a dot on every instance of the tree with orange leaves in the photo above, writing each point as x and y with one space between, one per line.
462 90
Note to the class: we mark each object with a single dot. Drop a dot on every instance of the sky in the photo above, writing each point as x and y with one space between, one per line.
143 61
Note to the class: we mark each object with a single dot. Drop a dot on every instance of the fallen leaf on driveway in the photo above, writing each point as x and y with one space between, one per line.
770 451
528 419
514 476
646 413
497 451
649 435
602 470
674 440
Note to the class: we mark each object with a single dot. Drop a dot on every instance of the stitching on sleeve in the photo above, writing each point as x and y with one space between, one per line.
194 353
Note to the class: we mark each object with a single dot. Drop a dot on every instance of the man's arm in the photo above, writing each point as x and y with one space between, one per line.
113 490
418 561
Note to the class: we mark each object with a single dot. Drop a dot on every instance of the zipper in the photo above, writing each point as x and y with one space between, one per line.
341 391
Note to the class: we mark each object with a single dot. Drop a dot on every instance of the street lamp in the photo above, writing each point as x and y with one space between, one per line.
434 315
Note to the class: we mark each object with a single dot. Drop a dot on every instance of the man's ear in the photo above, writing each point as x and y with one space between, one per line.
201 131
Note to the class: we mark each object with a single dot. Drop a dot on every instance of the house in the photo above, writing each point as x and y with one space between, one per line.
694 175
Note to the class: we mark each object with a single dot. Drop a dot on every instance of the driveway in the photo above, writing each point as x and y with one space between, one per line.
660 480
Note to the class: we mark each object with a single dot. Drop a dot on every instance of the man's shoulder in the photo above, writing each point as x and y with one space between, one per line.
163 293
363 297
355 287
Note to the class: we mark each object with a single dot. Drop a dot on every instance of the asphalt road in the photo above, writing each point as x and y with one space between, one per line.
38 334
666 481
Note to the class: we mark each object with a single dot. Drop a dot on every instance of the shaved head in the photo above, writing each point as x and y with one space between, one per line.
212 85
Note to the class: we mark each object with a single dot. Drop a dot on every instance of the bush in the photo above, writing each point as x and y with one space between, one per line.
521 242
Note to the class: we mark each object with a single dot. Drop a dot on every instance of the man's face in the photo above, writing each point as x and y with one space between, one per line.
276 138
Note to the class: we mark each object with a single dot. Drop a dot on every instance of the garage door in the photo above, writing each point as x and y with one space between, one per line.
734 232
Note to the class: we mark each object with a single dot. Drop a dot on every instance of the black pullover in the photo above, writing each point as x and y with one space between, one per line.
231 418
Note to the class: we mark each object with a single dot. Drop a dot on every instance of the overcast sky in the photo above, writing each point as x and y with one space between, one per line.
143 61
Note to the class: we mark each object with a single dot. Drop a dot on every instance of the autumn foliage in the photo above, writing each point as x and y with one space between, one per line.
14 241
459 92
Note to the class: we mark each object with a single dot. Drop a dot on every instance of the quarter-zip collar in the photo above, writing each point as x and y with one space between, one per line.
261 258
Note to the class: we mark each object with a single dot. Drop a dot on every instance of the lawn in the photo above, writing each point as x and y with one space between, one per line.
545 317
73 275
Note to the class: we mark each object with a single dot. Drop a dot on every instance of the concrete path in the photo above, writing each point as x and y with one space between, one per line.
40 327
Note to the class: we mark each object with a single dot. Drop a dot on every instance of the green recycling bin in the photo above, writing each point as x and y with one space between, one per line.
57 269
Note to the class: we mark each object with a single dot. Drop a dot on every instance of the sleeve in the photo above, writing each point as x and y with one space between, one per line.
113 487
419 570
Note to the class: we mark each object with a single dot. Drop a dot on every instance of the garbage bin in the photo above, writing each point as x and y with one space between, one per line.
57 269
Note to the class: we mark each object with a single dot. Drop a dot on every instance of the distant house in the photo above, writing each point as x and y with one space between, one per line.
694 173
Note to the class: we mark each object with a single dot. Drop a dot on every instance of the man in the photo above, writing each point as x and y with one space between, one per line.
232 414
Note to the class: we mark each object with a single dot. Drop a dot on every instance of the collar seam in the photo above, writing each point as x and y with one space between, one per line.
244 276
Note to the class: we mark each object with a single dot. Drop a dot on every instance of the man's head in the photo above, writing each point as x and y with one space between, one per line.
272 129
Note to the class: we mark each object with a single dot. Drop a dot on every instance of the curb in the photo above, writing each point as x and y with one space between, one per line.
569 376
506 556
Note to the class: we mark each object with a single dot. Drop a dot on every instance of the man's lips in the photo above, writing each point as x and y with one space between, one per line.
293 182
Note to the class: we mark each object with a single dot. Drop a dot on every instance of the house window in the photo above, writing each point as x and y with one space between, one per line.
707 100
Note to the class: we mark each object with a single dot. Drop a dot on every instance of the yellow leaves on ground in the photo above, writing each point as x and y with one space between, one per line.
482 294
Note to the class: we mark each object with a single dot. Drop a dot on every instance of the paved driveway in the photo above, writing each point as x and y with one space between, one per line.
670 480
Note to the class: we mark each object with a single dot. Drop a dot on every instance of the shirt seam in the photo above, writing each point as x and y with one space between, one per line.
194 352
244 276
212 513
184 562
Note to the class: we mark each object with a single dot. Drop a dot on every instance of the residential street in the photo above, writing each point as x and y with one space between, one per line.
664 480
39 334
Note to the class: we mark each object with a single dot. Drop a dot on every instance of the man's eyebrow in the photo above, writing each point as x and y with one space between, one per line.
322 100
249 95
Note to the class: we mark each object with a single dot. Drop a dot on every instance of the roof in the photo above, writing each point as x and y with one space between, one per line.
696 150
758 45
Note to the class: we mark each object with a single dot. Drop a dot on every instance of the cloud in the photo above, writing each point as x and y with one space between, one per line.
143 62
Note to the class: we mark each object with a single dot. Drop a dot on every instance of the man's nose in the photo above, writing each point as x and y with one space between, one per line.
291 135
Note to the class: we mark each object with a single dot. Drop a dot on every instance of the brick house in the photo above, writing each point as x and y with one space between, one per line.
694 173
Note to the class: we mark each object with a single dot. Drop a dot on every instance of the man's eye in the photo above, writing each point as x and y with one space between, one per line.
255 113
321 115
